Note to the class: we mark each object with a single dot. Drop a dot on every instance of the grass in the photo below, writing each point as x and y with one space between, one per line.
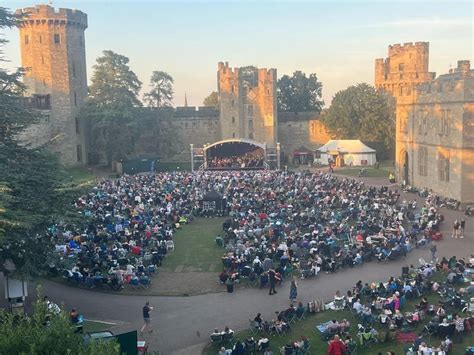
195 247
95 326
385 168
307 327
79 175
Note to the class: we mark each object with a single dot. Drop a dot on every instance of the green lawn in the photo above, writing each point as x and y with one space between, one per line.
385 168
95 326
79 175
195 247
307 327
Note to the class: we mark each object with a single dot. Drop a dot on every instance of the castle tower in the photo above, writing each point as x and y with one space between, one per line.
401 74
247 101
405 68
53 52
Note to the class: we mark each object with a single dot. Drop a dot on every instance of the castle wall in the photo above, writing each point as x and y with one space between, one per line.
300 129
53 51
433 127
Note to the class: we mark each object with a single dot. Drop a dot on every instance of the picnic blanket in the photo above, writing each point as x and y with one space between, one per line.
322 327
409 337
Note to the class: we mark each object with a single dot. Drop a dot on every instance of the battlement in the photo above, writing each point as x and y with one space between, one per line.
408 46
45 14
183 112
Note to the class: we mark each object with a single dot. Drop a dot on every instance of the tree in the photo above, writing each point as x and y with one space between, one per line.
46 332
299 93
33 188
114 82
362 112
110 108
161 93
212 100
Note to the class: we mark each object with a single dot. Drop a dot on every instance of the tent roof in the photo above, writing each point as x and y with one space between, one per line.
346 146
302 150
212 195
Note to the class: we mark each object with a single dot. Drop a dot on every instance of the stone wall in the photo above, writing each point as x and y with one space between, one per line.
300 129
53 51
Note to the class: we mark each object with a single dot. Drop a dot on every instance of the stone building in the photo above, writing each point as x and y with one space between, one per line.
247 103
53 52
435 122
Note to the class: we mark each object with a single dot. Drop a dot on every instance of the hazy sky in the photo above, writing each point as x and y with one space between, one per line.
338 40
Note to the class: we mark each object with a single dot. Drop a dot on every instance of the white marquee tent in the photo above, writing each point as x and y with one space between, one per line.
351 151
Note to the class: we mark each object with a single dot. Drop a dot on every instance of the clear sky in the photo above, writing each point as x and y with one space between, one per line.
337 40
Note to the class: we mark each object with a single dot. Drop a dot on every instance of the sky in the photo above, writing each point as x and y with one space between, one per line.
338 40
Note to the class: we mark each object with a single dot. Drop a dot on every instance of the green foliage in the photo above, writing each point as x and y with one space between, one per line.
212 100
161 92
33 191
110 108
114 82
46 332
362 112
300 93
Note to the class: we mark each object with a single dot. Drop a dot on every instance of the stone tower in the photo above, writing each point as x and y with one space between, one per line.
53 53
405 67
247 100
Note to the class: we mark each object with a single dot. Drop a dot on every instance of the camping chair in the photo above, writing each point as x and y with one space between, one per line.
227 338
351 348
306 347
339 304
169 245
254 329
216 338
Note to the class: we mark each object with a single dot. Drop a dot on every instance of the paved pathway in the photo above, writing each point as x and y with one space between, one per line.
183 323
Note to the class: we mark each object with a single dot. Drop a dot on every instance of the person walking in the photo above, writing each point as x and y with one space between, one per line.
456 226
146 318
434 252
293 290
462 225
272 278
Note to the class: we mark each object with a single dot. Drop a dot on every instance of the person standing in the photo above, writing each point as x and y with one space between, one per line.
272 278
462 225
293 290
455 229
434 252
146 318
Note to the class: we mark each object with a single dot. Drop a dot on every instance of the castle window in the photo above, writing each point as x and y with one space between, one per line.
250 135
44 82
57 38
443 166
27 39
81 40
40 39
73 69
401 90
42 60
250 125
422 161
233 119
75 99
423 122
403 123
233 134
401 75
78 125
233 103
79 153
250 110
445 122
408 90
401 67
232 89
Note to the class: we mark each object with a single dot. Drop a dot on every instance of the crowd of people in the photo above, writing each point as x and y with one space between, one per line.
130 226
313 223
253 159
379 312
